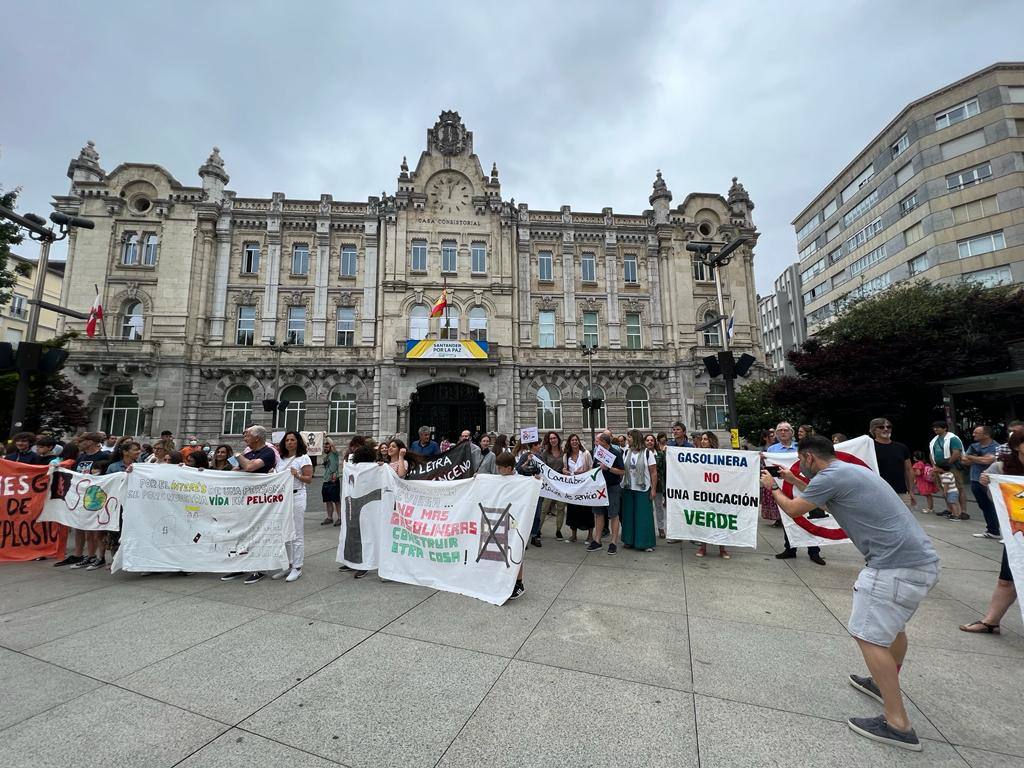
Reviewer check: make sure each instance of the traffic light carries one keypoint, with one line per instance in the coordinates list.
(270, 405)
(744, 364)
(711, 363)
(53, 360)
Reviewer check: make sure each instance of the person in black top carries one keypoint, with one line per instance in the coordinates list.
(894, 463)
(613, 480)
(86, 542)
(22, 448)
(260, 458)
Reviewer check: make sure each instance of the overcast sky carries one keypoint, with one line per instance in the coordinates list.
(578, 103)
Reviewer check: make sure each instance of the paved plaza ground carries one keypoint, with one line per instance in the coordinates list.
(659, 659)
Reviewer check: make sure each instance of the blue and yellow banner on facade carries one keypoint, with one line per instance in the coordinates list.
(454, 349)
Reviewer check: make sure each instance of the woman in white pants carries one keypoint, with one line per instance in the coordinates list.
(294, 460)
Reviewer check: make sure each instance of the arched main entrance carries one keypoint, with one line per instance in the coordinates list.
(448, 408)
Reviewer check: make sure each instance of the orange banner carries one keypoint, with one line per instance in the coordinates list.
(23, 490)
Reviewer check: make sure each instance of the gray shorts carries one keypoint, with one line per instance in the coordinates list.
(885, 599)
(614, 503)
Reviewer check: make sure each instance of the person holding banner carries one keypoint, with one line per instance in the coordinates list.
(295, 459)
(554, 457)
(506, 467)
(578, 462)
(614, 469)
(638, 530)
(396, 457)
(901, 567)
(260, 458)
(1005, 594)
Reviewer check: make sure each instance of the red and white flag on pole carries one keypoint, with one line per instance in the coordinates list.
(95, 315)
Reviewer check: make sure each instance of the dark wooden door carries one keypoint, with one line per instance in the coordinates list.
(448, 408)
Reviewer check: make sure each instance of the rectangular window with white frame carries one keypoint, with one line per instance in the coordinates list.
(956, 114)
(991, 277)
(716, 408)
(418, 256)
(588, 267)
(591, 333)
(634, 339)
(251, 259)
(18, 306)
(899, 146)
(546, 329)
(908, 203)
(545, 268)
(702, 271)
(300, 259)
(246, 331)
(346, 327)
(296, 329)
(449, 257)
(130, 249)
(149, 246)
(976, 246)
(629, 270)
(349, 261)
(918, 264)
(968, 177)
(478, 257)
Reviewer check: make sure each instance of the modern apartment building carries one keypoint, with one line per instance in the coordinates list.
(14, 318)
(937, 195)
(783, 325)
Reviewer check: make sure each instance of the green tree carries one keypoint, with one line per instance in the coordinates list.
(10, 235)
(758, 409)
(880, 355)
(54, 404)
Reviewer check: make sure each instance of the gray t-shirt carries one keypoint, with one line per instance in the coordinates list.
(873, 515)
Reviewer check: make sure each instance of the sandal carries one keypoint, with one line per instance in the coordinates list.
(980, 628)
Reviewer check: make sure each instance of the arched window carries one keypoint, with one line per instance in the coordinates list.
(237, 410)
(130, 251)
(132, 321)
(341, 417)
(478, 324)
(549, 408)
(294, 416)
(449, 323)
(638, 408)
(419, 322)
(712, 335)
(600, 415)
(121, 413)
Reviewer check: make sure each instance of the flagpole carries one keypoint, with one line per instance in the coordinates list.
(103, 320)
(444, 294)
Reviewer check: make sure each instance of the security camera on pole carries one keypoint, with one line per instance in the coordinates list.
(723, 363)
(30, 356)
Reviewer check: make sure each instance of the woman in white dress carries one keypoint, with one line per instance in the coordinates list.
(295, 460)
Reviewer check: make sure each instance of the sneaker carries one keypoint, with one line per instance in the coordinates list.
(986, 535)
(517, 591)
(786, 554)
(95, 565)
(558, 534)
(282, 573)
(231, 576)
(595, 546)
(69, 560)
(956, 519)
(877, 729)
(964, 516)
(866, 685)
(252, 578)
(294, 574)
(85, 562)
(612, 549)
(344, 568)
(944, 513)
(535, 542)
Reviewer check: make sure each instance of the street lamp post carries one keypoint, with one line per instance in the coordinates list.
(590, 403)
(46, 236)
(278, 350)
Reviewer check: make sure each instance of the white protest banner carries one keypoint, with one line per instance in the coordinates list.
(529, 435)
(277, 436)
(314, 442)
(85, 502)
(462, 536)
(817, 531)
(367, 497)
(1008, 497)
(585, 490)
(603, 456)
(184, 519)
(712, 496)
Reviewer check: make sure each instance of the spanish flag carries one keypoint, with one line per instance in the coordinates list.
(438, 308)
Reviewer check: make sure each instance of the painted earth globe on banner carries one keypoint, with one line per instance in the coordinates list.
(94, 499)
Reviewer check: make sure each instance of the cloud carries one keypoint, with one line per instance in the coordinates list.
(577, 102)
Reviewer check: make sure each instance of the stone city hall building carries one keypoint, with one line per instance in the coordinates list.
(197, 281)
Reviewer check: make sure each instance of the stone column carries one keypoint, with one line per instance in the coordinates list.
(654, 278)
(525, 330)
(221, 273)
(272, 281)
(323, 270)
(368, 312)
(569, 287)
(612, 278)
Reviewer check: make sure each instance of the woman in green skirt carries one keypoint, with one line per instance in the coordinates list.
(638, 529)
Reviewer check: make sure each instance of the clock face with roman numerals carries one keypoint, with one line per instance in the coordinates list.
(449, 193)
